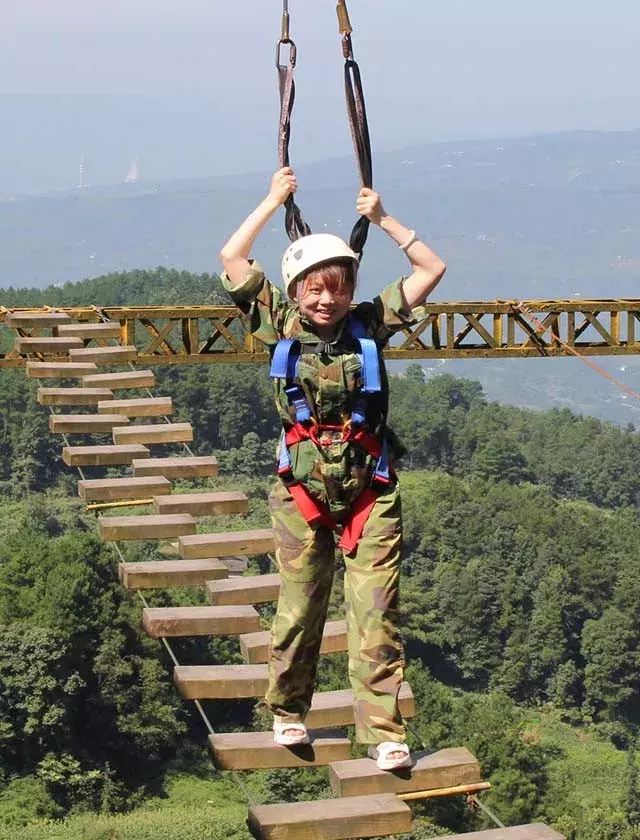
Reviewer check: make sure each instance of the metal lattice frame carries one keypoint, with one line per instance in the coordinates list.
(495, 329)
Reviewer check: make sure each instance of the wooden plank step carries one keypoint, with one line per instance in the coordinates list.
(335, 708)
(196, 466)
(331, 819)
(258, 589)
(59, 370)
(100, 330)
(166, 574)
(204, 504)
(116, 528)
(53, 345)
(115, 489)
(144, 407)
(125, 379)
(105, 355)
(75, 396)
(255, 646)
(156, 433)
(84, 424)
(102, 456)
(442, 769)
(230, 542)
(221, 682)
(199, 621)
(257, 750)
(532, 831)
(29, 320)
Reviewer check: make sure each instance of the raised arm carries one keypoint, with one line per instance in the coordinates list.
(427, 268)
(235, 253)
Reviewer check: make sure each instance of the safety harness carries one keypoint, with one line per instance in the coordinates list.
(284, 366)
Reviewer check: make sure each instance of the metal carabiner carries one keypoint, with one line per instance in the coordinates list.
(293, 53)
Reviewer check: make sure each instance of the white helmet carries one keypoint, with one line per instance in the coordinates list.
(309, 251)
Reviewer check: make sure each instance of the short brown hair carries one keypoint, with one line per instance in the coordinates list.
(336, 276)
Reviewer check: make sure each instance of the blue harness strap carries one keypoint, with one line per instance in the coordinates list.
(284, 365)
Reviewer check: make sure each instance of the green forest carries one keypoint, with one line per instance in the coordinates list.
(520, 601)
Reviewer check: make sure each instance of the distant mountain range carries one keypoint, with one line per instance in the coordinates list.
(536, 217)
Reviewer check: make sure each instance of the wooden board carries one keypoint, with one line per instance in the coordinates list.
(102, 456)
(50, 345)
(112, 489)
(84, 424)
(29, 320)
(105, 355)
(60, 370)
(204, 504)
(156, 433)
(116, 528)
(331, 819)
(171, 622)
(187, 467)
(91, 331)
(144, 407)
(127, 379)
(166, 574)
(75, 396)
(442, 769)
(335, 708)
(258, 589)
(220, 682)
(532, 831)
(254, 647)
(230, 542)
(257, 750)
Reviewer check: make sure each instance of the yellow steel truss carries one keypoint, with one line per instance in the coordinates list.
(493, 329)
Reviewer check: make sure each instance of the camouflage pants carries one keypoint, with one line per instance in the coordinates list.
(306, 559)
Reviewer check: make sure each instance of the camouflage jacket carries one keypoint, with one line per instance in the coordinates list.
(338, 473)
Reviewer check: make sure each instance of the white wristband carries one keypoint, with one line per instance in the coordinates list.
(412, 238)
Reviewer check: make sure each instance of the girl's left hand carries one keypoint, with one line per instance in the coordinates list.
(369, 204)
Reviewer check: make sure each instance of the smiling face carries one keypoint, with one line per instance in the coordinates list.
(325, 295)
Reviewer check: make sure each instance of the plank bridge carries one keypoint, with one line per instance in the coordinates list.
(71, 346)
(163, 335)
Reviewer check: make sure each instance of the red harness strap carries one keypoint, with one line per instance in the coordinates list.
(313, 511)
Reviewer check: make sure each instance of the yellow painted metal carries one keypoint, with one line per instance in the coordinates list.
(129, 503)
(170, 335)
(450, 791)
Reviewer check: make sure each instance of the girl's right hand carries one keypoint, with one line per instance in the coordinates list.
(283, 184)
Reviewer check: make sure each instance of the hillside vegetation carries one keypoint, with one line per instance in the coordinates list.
(520, 615)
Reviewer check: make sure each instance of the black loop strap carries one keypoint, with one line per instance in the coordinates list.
(295, 223)
(357, 113)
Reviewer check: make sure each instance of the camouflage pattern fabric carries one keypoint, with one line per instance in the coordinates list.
(335, 474)
(305, 558)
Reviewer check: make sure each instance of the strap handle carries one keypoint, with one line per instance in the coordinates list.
(358, 123)
(295, 223)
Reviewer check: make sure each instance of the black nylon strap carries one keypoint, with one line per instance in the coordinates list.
(358, 123)
(295, 223)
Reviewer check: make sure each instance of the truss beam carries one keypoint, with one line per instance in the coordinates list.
(166, 335)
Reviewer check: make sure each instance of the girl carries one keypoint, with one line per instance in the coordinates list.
(332, 395)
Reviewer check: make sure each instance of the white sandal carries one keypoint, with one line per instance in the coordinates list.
(382, 751)
(283, 733)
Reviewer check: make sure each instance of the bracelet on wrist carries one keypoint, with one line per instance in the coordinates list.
(412, 238)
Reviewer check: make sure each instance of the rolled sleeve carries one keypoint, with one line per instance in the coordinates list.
(249, 289)
(262, 304)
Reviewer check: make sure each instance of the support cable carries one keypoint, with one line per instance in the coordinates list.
(521, 307)
(472, 798)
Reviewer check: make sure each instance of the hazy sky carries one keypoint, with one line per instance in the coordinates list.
(432, 71)
(437, 69)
